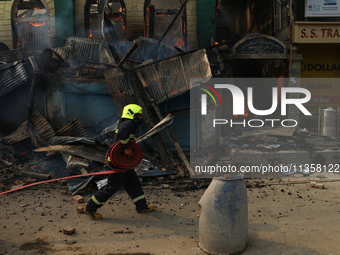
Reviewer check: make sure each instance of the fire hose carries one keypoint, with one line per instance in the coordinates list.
(120, 160)
(117, 157)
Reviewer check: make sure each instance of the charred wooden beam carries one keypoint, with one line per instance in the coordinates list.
(160, 116)
(30, 124)
(144, 103)
(111, 28)
(133, 48)
(168, 29)
(27, 173)
(95, 153)
(151, 21)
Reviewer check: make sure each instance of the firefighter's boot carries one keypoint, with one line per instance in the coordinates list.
(93, 215)
(149, 208)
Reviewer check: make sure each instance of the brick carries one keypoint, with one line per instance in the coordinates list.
(78, 199)
(17, 182)
(69, 231)
(30, 181)
(316, 185)
(80, 208)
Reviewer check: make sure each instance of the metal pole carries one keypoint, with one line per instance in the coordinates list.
(337, 128)
(319, 122)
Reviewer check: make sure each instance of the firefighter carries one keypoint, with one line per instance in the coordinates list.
(130, 120)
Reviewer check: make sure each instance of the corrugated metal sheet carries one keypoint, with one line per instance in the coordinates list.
(55, 140)
(50, 61)
(170, 78)
(73, 129)
(118, 85)
(89, 109)
(165, 79)
(64, 52)
(10, 56)
(11, 76)
(84, 49)
(146, 45)
(33, 36)
(41, 129)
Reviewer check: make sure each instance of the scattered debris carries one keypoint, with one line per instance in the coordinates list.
(78, 199)
(317, 185)
(69, 231)
(80, 208)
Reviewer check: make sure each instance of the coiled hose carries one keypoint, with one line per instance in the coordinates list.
(121, 162)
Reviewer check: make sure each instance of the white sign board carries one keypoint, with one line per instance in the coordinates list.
(322, 8)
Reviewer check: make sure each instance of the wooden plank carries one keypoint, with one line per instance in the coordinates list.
(95, 153)
(27, 173)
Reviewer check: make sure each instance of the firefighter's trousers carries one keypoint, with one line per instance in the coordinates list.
(129, 180)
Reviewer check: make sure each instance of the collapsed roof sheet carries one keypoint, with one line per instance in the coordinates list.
(165, 79)
(41, 129)
(12, 75)
(73, 128)
(10, 56)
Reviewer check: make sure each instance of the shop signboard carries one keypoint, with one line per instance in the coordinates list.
(322, 8)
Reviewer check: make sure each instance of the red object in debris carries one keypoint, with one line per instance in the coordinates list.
(78, 199)
(34, 167)
(17, 182)
(272, 139)
(13, 160)
(80, 208)
(69, 231)
(30, 181)
(63, 182)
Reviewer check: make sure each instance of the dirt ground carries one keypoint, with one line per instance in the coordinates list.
(289, 219)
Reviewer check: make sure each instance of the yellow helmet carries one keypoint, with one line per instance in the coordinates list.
(130, 110)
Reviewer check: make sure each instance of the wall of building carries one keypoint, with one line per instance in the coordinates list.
(6, 36)
(134, 18)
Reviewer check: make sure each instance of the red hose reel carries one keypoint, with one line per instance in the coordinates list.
(120, 160)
